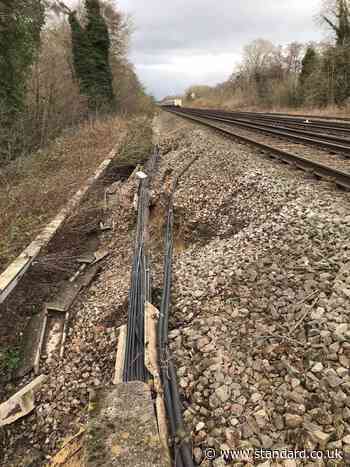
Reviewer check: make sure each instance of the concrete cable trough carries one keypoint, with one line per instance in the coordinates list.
(132, 355)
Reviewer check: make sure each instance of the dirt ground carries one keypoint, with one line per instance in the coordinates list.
(90, 347)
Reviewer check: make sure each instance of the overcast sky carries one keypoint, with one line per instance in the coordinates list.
(178, 43)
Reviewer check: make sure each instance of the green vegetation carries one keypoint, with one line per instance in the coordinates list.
(55, 75)
(9, 360)
(309, 64)
(21, 22)
(138, 142)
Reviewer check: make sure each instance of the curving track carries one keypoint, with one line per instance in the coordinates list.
(271, 134)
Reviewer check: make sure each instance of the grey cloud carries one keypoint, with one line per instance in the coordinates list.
(168, 32)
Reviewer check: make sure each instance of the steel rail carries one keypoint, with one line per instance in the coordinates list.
(319, 119)
(325, 125)
(340, 178)
(323, 141)
(314, 117)
(339, 125)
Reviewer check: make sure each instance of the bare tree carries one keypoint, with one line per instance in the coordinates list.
(258, 56)
(293, 57)
(336, 14)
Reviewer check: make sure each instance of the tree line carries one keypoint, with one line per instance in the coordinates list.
(60, 66)
(295, 75)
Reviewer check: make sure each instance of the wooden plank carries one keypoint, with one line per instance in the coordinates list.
(72, 453)
(152, 364)
(119, 362)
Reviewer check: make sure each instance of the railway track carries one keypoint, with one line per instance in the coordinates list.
(333, 143)
(325, 162)
(307, 125)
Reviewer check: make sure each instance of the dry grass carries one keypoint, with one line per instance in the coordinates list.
(35, 188)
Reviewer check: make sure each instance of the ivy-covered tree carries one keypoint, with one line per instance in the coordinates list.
(82, 62)
(91, 46)
(21, 22)
(98, 37)
(309, 64)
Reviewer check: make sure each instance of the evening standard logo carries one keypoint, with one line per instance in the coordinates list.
(282, 454)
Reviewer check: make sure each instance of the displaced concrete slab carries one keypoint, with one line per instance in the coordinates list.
(89, 276)
(32, 342)
(122, 429)
(66, 297)
(21, 403)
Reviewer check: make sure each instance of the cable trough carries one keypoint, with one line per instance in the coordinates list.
(140, 294)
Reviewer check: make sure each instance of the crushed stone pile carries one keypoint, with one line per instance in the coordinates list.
(260, 304)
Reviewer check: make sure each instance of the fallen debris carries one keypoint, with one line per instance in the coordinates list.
(71, 453)
(57, 314)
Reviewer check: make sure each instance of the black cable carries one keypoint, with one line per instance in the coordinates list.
(181, 445)
(139, 293)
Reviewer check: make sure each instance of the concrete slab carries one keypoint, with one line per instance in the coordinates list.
(122, 428)
(21, 403)
(31, 344)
